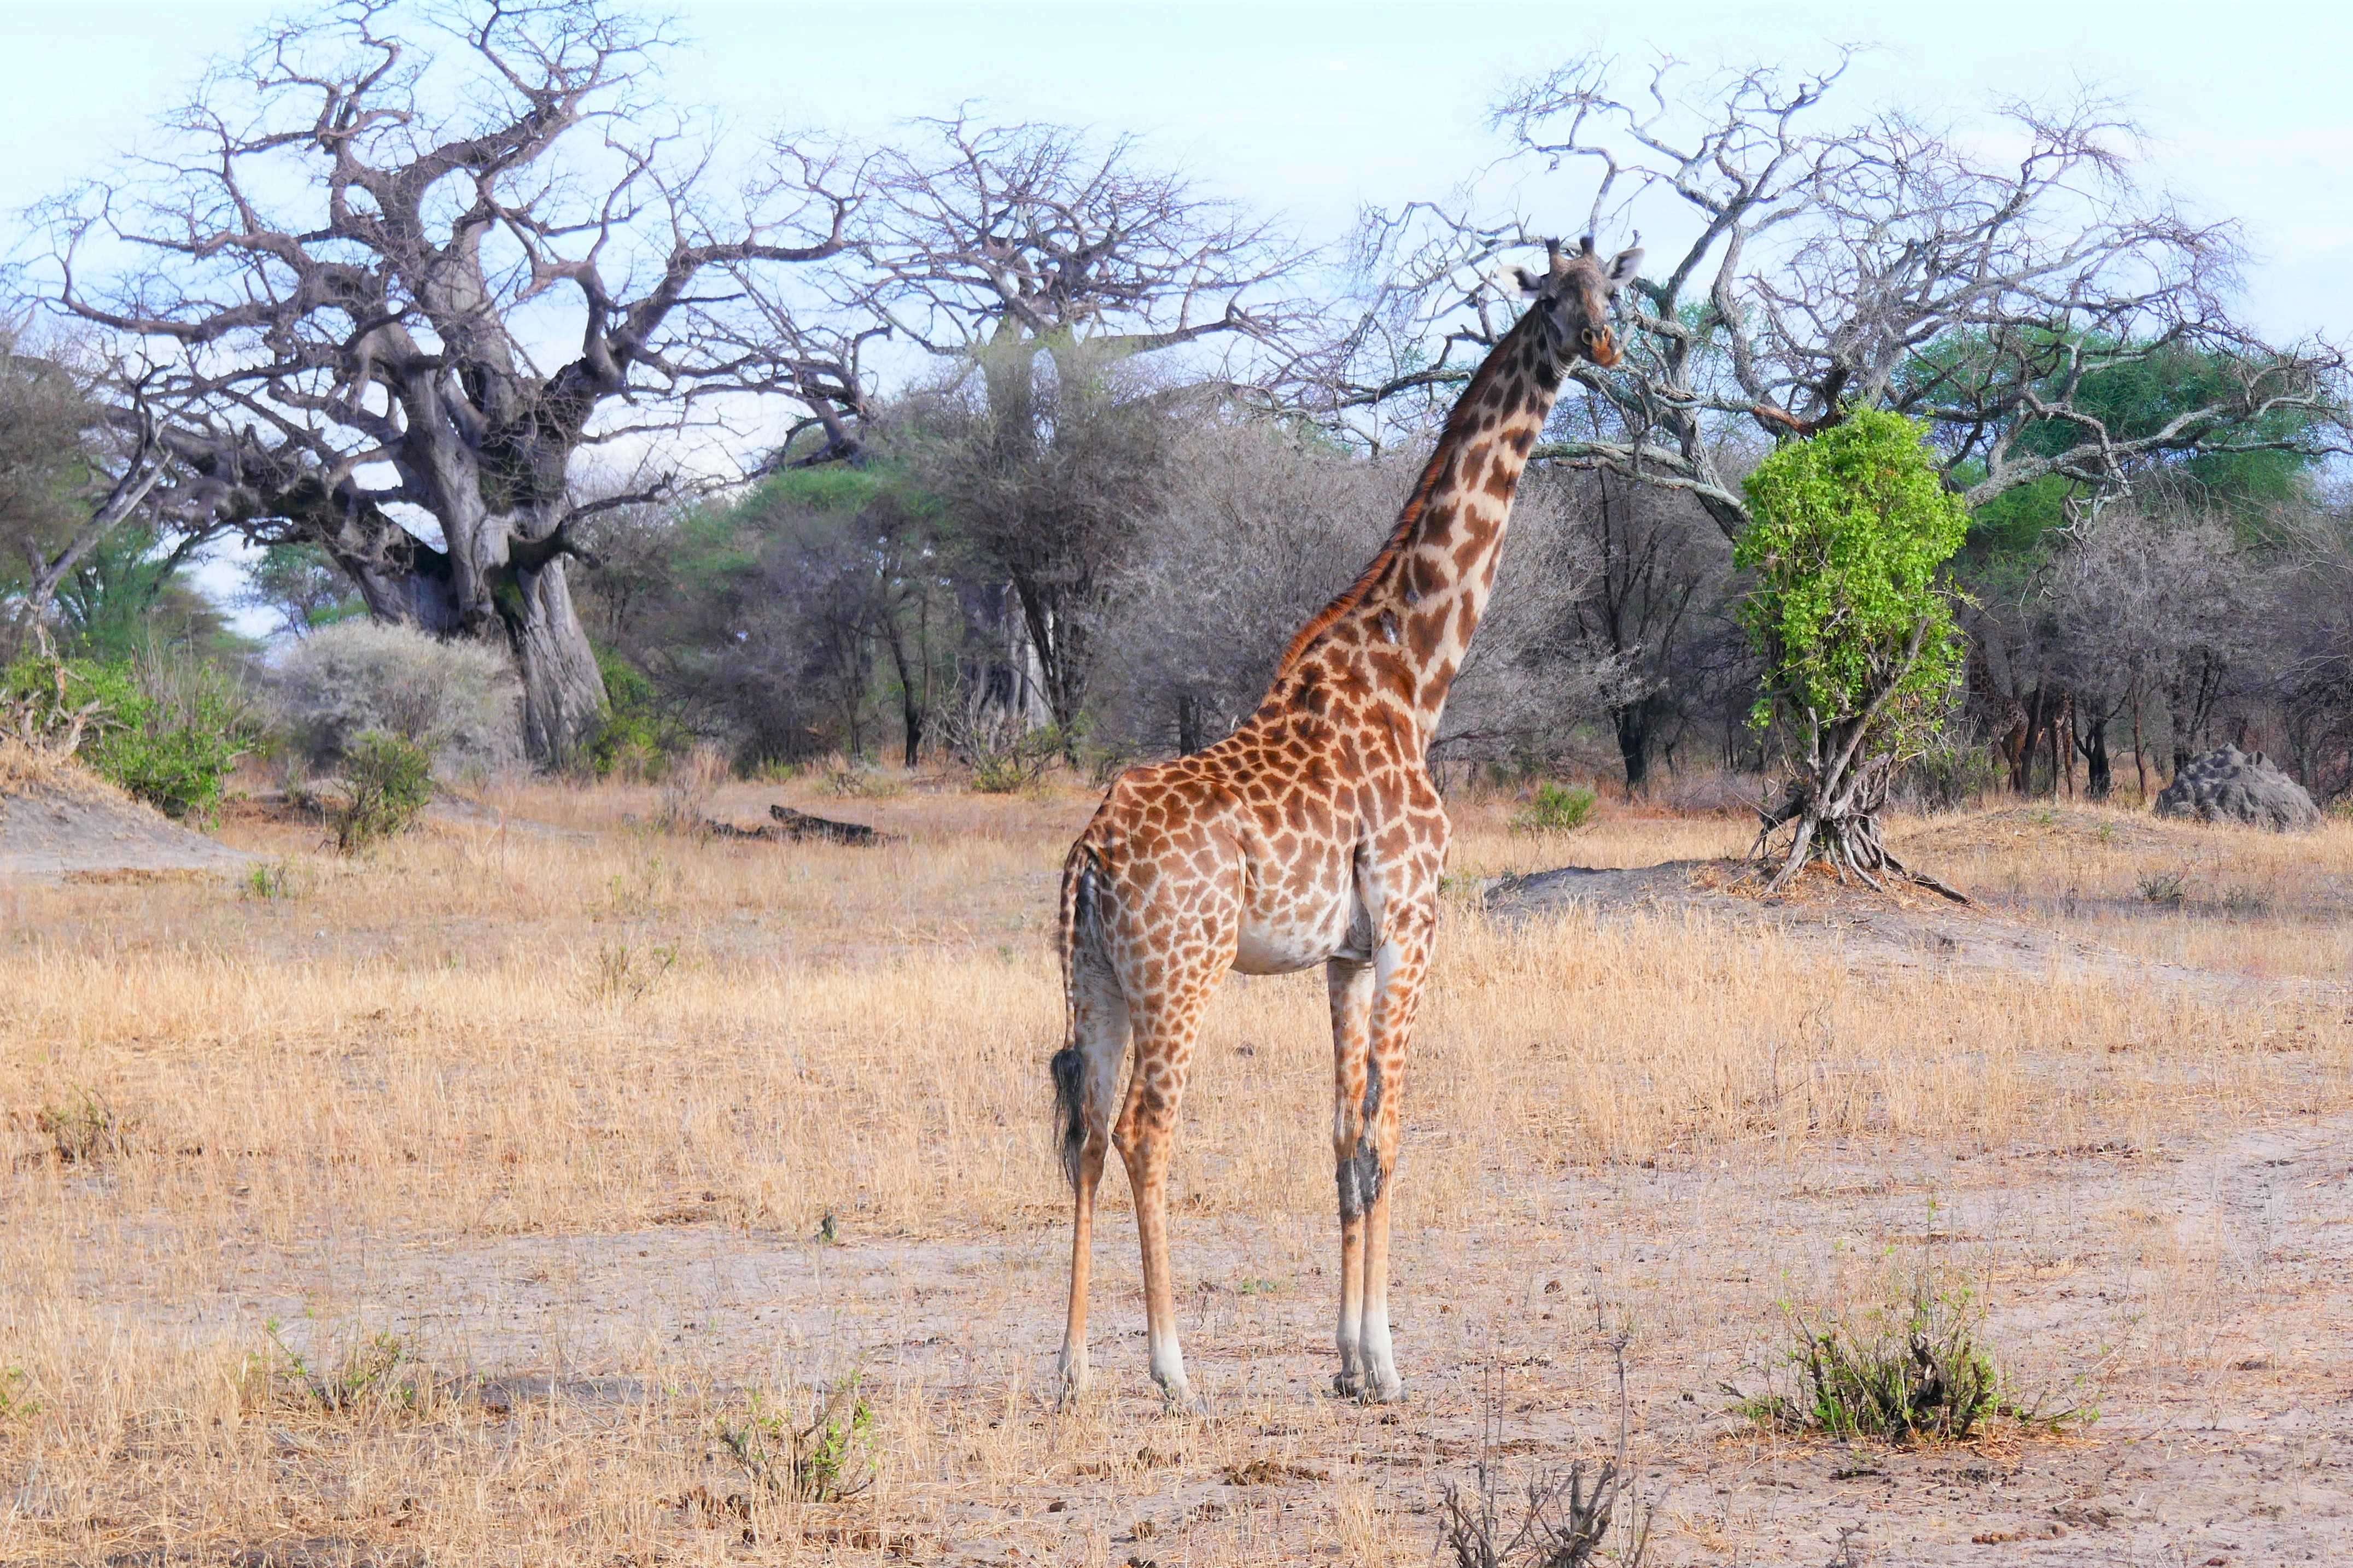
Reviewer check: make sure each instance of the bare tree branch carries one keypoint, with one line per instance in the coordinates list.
(1820, 268)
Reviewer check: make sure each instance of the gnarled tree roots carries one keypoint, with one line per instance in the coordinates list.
(1848, 840)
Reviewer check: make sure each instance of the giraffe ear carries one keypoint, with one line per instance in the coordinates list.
(1529, 283)
(1623, 266)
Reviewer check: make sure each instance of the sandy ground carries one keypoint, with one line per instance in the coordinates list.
(49, 834)
(2227, 1444)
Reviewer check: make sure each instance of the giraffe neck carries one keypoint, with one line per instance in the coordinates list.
(1409, 617)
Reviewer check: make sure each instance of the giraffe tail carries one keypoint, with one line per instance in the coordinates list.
(1074, 921)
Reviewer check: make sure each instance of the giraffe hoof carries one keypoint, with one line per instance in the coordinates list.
(1348, 1386)
(1392, 1393)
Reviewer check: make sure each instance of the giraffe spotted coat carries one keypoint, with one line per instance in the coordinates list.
(1311, 834)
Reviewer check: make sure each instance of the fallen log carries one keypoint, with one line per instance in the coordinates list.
(791, 827)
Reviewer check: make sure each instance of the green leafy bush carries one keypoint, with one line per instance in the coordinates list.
(387, 783)
(1556, 808)
(1912, 1368)
(165, 726)
(826, 1459)
(1851, 529)
(642, 737)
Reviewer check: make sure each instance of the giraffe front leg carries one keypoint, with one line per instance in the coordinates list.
(1350, 987)
(1400, 965)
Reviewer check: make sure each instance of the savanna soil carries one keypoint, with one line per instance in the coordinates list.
(504, 1197)
(60, 822)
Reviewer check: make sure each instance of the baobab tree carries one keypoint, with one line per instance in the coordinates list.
(393, 271)
(1045, 269)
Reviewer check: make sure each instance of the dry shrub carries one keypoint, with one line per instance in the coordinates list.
(684, 801)
(460, 701)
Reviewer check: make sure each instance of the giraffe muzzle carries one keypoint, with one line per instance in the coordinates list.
(1600, 347)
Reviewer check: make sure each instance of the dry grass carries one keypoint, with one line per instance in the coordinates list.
(538, 1039)
(25, 768)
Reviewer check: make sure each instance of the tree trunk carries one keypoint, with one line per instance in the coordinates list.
(564, 704)
(1633, 725)
(2097, 774)
(910, 702)
(2140, 751)
(1191, 730)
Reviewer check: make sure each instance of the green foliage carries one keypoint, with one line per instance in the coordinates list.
(275, 879)
(1852, 528)
(379, 1372)
(16, 1398)
(1910, 1368)
(304, 585)
(125, 595)
(165, 727)
(85, 1132)
(642, 736)
(387, 783)
(826, 1459)
(1556, 808)
(1006, 756)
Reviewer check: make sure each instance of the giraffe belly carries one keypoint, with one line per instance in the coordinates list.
(1297, 936)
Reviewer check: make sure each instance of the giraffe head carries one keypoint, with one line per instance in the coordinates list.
(1571, 297)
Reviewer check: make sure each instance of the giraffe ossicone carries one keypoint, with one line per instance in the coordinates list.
(1311, 834)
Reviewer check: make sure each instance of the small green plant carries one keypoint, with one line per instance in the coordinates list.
(274, 879)
(387, 783)
(622, 975)
(1005, 754)
(1556, 808)
(15, 1401)
(2165, 888)
(827, 1459)
(379, 1372)
(84, 1133)
(1911, 1369)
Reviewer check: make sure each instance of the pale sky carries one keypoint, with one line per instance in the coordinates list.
(1308, 110)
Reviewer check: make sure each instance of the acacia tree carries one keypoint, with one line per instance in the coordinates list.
(69, 479)
(1822, 270)
(1862, 657)
(401, 263)
(1041, 264)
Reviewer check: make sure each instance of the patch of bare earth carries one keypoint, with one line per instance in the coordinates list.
(69, 824)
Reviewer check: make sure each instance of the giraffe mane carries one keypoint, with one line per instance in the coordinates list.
(1449, 441)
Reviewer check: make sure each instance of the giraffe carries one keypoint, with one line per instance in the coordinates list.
(1311, 834)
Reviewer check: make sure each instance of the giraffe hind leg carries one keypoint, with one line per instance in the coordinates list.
(1086, 1084)
(1166, 1026)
